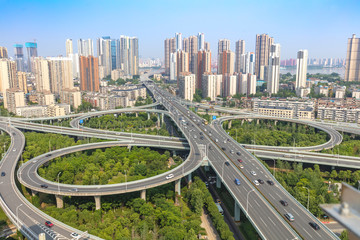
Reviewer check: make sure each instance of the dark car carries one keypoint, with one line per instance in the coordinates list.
(223, 148)
(44, 186)
(284, 203)
(47, 155)
(238, 153)
(200, 133)
(210, 147)
(240, 160)
(202, 138)
(3, 174)
(261, 181)
(270, 182)
(49, 224)
(314, 225)
(227, 163)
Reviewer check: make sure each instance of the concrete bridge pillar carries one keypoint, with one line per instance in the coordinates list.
(33, 193)
(242, 122)
(59, 201)
(136, 114)
(218, 181)
(174, 153)
(158, 120)
(50, 122)
(97, 202)
(162, 118)
(276, 121)
(178, 186)
(148, 116)
(207, 111)
(189, 178)
(129, 147)
(237, 212)
(230, 122)
(207, 168)
(257, 121)
(143, 194)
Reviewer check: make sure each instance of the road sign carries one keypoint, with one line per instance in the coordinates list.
(213, 117)
(81, 121)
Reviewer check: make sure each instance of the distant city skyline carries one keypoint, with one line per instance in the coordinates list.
(322, 27)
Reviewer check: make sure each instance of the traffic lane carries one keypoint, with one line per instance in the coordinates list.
(302, 225)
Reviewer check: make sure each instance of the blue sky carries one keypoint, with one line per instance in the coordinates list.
(321, 26)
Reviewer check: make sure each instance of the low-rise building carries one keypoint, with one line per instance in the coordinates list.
(72, 97)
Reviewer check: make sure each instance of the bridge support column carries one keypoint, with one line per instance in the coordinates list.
(218, 181)
(189, 178)
(158, 120)
(50, 122)
(148, 116)
(143, 194)
(207, 111)
(257, 121)
(162, 118)
(237, 212)
(276, 121)
(174, 153)
(129, 147)
(33, 193)
(137, 114)
(97, 202)
(59, 201)
(178, 186)
(242, 122)
(230, 122)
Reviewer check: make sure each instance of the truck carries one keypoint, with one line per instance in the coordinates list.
(221, 211)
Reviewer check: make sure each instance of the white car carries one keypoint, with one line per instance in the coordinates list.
(256, 182)
(14, 149)
(75, 236)
(253, 173)
(170, 176)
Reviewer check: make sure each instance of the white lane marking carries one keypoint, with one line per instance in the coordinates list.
(271, 221)
(294, 211)
(307, 232)
(278, 195)
(263, 221)
(271, 196)
(256, 202)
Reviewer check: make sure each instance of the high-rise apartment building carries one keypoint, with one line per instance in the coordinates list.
(89, 74)
(207, 46)
(61, 74)
(201, 41)
(247, 84)
(211, 85)
(42, 74)
(19, 57)
(85, 47)
(7, 75)
(169, 47)
(273, 69)
(301, 68)
(182, 63)
(248, 63)
(13, 98)
(226, 62)
(21, 81)
(105, 55)
(173, 66)
(223, 45)
(129, 55)
(239, 50)
(203, 65)
(263, 44)
(31, 48)
(352, 72)
(178, 39)
(69, 47)
(187, 85)
(190, 45)
(3, 52)
(230, 85)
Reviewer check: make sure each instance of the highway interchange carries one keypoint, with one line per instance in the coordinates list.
(263, 208)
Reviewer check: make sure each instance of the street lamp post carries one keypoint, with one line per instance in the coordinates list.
(17, 213)
(308, 197)
(247, 202)
(58, 182)
(274, 166)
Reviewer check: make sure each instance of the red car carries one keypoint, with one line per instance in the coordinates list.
(49, 224)
(240, 160)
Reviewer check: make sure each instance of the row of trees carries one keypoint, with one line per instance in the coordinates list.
(128, 123)
(281, 134)
(109, 166)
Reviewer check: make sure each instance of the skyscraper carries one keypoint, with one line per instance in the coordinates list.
(19, 57)
(223, 45)
(273, 69)
(61, 74)
(169, 47)
(352, 72)
(42, 74)
(201, 41)
(229, 84)
(203, 65)
(69, 47)
(211, 85)
(182, 63)
(104, 54)
(226, 62)
(301, 68)
(31, 48)
(248, 63)
(187, 85)
(263, 44)
(89, 74)
(7, 75)
(178, 38)
(190, 45)
(129, 55)
(3, 52)
(85, 47)
(239, 50)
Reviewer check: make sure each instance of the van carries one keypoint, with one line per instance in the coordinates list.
(289, 216)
